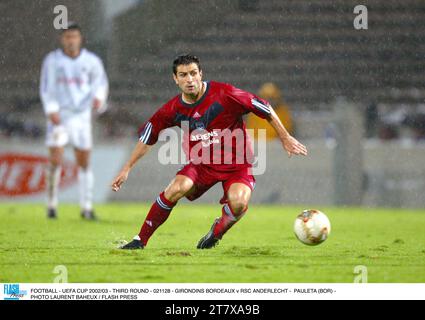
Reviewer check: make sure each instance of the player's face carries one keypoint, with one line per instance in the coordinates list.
(189, 79)
(71, 40)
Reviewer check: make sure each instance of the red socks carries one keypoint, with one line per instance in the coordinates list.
(227, 220)
(161, 209)
(158, 214)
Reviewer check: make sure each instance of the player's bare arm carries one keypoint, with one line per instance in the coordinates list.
(139, 151)
(291, 145)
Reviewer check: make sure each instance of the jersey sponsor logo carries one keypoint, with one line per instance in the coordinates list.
(70, 81)
(24, 174)
(203, 136)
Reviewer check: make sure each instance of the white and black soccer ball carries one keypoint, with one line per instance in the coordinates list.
(312, 227)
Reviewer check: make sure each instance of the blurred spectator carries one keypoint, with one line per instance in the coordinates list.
(416, 122)
(12, 126)
(403, 121)
(391, 119)
(270, 92)
(388, 132)
(372, 120)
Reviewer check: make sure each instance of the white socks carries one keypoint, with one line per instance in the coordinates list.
(53, 180)
(86, 182)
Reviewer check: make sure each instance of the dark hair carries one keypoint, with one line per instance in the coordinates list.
(71, 26)
(185, 59)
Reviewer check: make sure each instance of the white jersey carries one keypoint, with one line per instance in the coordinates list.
(69, 85)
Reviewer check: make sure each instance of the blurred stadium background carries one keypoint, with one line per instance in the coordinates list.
(356, 97)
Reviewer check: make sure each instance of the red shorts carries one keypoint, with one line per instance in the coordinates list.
(205, 177)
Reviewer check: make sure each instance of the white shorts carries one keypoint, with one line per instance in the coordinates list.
(74, 131)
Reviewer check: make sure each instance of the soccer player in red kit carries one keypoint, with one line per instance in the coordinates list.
(212, 111)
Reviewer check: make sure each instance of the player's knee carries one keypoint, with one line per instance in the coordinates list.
(83, 163)
(238, 208)
(55, 161)
(238, 203)
(83, 166)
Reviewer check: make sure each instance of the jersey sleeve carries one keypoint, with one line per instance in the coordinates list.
(249, 102)
(48, 85)
(161, 120)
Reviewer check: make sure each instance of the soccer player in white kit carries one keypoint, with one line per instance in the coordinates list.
(73, 83)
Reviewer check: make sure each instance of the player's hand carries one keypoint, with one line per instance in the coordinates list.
(97, 104)
(55, 118)
(293, 146)
(119, 180)
(59, 134)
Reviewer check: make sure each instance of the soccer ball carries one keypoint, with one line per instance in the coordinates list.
(312, 227)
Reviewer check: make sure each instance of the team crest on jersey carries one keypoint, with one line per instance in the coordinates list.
(199, 125)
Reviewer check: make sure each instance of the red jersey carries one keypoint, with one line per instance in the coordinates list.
(214, 130)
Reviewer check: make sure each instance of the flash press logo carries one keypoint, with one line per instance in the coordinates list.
(13, 292)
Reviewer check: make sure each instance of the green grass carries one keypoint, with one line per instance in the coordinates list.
(260, 248)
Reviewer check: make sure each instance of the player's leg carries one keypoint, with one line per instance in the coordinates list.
(238, 196)
(179, 187)
(80, 133)
(53, 180)
(56, 139)
(86, 183)
(161, 209)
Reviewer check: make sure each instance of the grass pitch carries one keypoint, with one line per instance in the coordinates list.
(260, 248)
